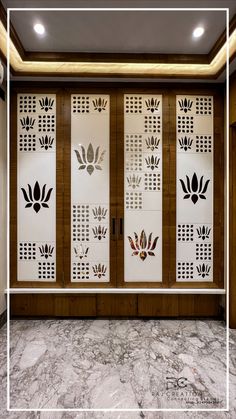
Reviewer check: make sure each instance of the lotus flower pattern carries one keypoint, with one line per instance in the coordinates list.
(99, 232)
(152, 143)
(90, 160)
(27, 123)
(152, 104)
(46, 104)
(99, 270)
(81, 252)
(99, 104)
(185, 143)
(46, 251)
(194, 189)
(185, 105)
(37, 198)
(99, 213)
(133, 181)
(203, 232)
(203, 270)
(141, 246)
(46, 142)
(152, 162)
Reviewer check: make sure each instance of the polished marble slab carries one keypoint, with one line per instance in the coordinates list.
(117, 364)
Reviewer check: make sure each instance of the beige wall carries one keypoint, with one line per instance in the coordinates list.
(3, 204)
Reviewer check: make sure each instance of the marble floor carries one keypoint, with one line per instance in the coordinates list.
(118, 364)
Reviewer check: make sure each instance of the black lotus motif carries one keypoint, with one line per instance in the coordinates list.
(99, 270)
(46, 142)
(185, 143)
(134, 181)
(152, 143)
(203, 270)
(81, 251)
(152, 162)
(37, 198)
(27, 123)
(194, 189)
(46, 251)
(99, 104)
(90, 160)
(185, 105)
(99, 232)
(152, 104)
(203, 232)
(99, 213)
(46, 104)
(141, 246)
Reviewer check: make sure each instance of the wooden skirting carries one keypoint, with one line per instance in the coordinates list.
(119, 305)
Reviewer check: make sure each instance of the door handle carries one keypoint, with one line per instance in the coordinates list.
(121, 227)
(113, 228)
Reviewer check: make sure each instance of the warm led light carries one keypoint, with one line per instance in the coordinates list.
(39, 29)
(199, 31)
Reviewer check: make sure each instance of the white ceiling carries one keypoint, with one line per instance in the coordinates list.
(114, 31)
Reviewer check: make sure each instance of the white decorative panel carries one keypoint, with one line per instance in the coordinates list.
(36, 187)
(195, 151)
(143, 188)
(90, 183)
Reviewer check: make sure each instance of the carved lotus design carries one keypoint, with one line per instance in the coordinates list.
(203, 232)
(152, 143)
(185, 105)
(27, 123)
(99, 213)
(203, 270)
(46, 142)
(133, 181)
(194, 189)
(81, 251)
(185, 143)
(152, 162)
(46, 104)
(37, 197)
(142, 246)
(46, 251)
(91, 159)
(99, 270)
(99, 104)
(99, 232)
(152, 104)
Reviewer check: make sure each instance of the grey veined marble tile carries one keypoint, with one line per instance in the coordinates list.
(118, 364)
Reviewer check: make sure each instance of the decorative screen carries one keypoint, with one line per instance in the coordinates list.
(36, 187)
(195, 148)
(90, 135)
(143, 187)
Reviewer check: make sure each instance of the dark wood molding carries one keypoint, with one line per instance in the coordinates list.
(114, 57)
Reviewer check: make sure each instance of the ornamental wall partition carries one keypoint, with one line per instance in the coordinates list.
(112, 188)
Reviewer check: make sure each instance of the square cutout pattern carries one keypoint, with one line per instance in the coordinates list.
(203, 144)
(134, 200)
(203, 251)
(134, 162)
(185, 124)
(27, 251)
(185, 271)
(185, 232)
(152, 182)
(133, 143)
(27, 142)
(133, 104)
(27, 104)
(80, 271)
(152, 123)
(46, 270)
(80, 223)
(204, 106)
(80, 104)
(46, 123)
